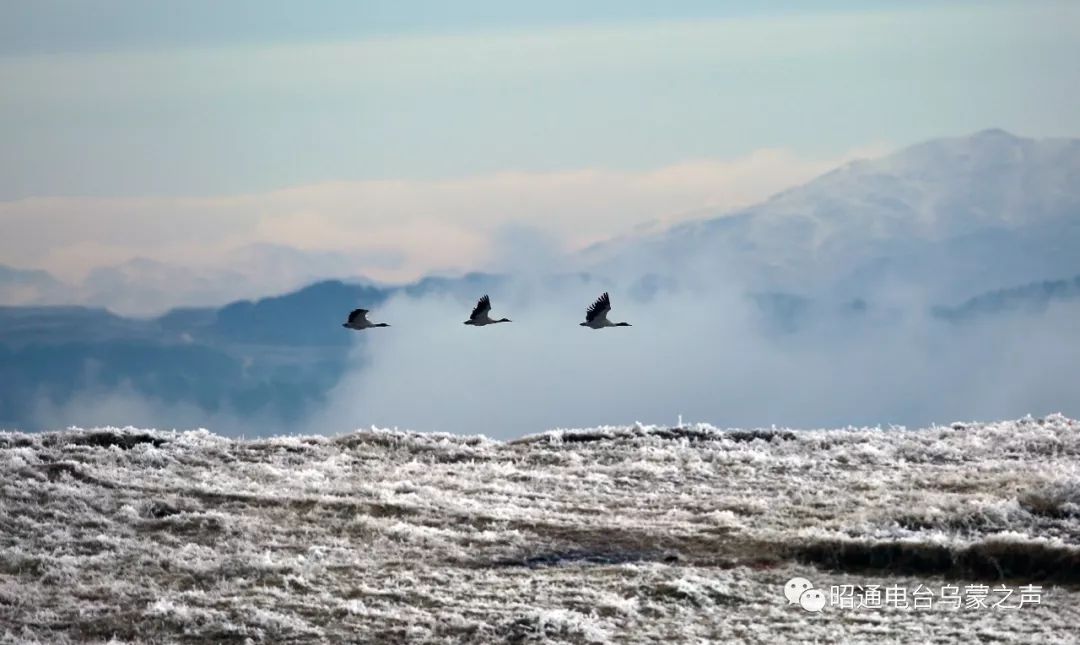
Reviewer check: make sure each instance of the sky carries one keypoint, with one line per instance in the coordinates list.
(425, 130)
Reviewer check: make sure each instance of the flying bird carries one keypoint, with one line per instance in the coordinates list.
(358, 320)
(596, 315)
(479, 316)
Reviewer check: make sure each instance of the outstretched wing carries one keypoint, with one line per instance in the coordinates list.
(483, 306)
(358, 314)
(599, 308)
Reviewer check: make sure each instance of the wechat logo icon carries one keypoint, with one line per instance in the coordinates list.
(800, 591)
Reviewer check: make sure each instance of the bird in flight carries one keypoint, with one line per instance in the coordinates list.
(479, 316)
(596, 315)
(358, 320)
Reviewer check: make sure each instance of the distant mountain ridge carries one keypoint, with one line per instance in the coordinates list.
(146, 286)
(30, 286)
(1034, 297)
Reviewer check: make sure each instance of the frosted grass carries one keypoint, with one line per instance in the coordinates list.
(609, 534)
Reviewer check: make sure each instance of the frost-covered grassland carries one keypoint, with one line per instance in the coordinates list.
(607, 535)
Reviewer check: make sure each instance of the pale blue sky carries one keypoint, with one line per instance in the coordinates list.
(115, 98)
(78, 25)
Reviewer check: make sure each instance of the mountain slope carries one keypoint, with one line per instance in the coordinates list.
(1034, 297)
(957, 216)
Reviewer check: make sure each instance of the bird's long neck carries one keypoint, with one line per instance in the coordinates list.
(501, 320)
(622, 324)
(380, 325)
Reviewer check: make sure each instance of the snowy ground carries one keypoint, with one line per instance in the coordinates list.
(605, 535)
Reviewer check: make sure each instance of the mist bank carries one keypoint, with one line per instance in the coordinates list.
(714, 353)
(715, 356)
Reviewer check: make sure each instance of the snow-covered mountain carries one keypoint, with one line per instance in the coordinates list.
(956, 216)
